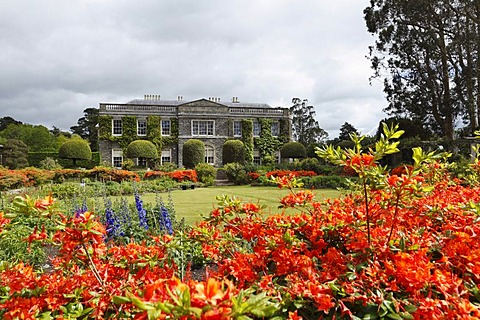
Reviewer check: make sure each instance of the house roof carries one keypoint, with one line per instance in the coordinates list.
(180, 102)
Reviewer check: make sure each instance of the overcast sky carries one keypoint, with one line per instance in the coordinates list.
(60, 57)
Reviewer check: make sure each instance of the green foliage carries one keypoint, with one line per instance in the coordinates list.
(284, 130)
(326, 182)
(75, 150)
(422, 54)
(35, 159)
(233, 151)
(153, 131)
(105, 127)
(266, 143)
(87, 127)
(37, 138)
(206, 173)
(238, 173)
(247, 138)
(293, 150)
(49, 164)
(15, 154)
(193, 153)
(142, 149)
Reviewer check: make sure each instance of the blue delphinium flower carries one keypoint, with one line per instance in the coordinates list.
(142, 213)
(112, 225)
(165, 221)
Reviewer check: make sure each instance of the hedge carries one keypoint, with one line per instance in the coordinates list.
(34, 159)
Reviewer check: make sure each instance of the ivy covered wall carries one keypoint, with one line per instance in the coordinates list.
(247, 138)
(267, 144)
(129, 131)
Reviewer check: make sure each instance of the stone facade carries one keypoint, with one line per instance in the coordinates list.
(208, 120)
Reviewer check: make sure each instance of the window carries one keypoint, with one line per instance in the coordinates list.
(141, 127)
(256, 129)
(277, 157)
(275, 129)
(141, 162)
(202, 127)
(209, 155)
(117, 158)
(237, 128)
(256, 156)
(117, 127)
(166, 156)
(166, 127)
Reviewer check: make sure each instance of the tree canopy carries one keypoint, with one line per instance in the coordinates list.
(37, 138)
(430, 50)
(87, 127)
(306, 129)
(75, 149)
(346, 130)
(15, 154)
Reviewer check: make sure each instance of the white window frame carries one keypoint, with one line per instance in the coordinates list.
(237, 131)
(141, 162)
(117, 153)
(141, 129)
(164, 131)
(197, 129)
(256, 157)
(209, 154)
(114, 127)
(275, 132)
(257, 129)
(166, 153)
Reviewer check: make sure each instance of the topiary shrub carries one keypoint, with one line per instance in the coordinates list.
(142, 149)
(193, 153)
(206, 173)
(233, 151)
(75, 150)
(293, 150)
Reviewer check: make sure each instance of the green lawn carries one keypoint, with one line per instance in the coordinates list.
(193, 203)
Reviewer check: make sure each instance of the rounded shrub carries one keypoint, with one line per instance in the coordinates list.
(233, 151)
(206, 173)
(142, 149)
(75, 150)
(193, 153)
(293, 150)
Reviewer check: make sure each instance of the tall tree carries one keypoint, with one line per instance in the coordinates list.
(346, 130)
(306, 129)
(87, 127)
(15, 154)
(430, 50)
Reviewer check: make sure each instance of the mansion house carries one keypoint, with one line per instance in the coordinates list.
(170, 123)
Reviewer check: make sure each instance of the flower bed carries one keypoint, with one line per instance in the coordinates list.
(405, 246)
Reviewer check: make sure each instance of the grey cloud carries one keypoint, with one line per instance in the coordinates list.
(59, 58)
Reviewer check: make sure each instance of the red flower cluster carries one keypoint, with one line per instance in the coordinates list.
(254, 175)
(177, 175)
(317, 263)
(292, 173)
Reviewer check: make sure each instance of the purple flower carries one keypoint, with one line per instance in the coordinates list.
(142, 213)
(165, 221)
